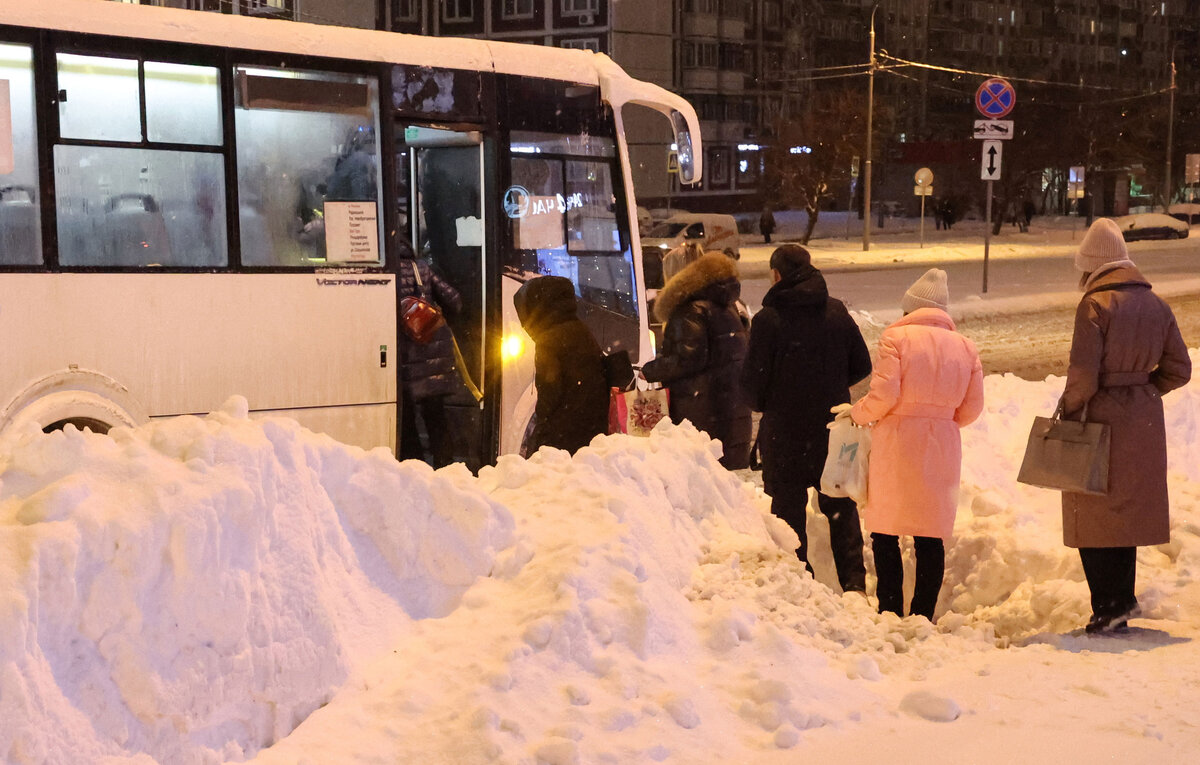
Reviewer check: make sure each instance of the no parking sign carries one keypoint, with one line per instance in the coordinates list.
(995, 98)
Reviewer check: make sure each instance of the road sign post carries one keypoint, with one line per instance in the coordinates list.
(924, 180)
(994, 99)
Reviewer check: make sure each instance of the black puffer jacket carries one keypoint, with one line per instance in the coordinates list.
(428, 370)
(805, 353)
(572, 395)
(704, 347)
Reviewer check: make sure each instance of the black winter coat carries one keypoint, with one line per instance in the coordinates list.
(805, 353)
(572, 394)
(428, 370)
(704, 347)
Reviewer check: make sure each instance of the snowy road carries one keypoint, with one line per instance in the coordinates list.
(1031, 341)
(1034, 345)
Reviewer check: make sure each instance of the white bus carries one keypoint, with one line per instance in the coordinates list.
(195, 205)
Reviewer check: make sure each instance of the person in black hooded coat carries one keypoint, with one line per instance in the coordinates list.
(805, 353)
(568, 367)
(704, 347)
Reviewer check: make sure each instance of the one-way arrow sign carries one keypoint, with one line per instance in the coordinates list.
(989, 169)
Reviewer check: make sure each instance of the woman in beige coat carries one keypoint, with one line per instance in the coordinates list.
(1126, 353)
(927, 383)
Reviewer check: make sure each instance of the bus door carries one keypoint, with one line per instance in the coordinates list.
(442, 211)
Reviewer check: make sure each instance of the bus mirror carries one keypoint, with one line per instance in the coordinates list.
(683, 143)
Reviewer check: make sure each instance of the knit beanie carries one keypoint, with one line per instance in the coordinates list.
(1102, 244)
(930, 291)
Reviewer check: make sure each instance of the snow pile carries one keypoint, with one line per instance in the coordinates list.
(195, 588)
(220, 589)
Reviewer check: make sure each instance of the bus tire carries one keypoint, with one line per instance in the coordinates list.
(77, 397)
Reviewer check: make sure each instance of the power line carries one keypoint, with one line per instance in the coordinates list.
(834, 76)
(953, 70)
(1060, 104)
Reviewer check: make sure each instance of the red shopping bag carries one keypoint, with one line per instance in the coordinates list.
(636, 412)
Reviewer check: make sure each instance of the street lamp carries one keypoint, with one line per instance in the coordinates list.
(870, 115)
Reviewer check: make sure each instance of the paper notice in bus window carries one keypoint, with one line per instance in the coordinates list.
(469, 232)
(7, 162)
(352, 232)
(541, 225)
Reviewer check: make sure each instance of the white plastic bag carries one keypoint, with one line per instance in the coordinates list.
(845, 473)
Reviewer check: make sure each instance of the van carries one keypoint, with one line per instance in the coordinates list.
(714, 232)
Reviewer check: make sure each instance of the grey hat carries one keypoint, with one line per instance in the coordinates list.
(930, 291)
(1103, 243)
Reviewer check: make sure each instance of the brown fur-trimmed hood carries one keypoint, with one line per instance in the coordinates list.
(715, 274)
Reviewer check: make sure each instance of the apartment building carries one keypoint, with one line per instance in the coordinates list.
(748, 64)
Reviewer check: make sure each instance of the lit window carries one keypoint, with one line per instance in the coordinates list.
(579, 7)
(582, 43)
(267, 8)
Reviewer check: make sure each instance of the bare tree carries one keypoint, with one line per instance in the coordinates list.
(813, 153)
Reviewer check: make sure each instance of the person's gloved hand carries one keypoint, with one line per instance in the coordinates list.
(841, 413)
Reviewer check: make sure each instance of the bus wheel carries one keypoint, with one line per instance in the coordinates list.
(78, 397)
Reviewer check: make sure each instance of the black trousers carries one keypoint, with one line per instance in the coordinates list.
(889, 568)
(845, 532)
(433, 416)
(1111, 576)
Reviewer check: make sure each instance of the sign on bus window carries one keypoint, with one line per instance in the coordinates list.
(352, 232)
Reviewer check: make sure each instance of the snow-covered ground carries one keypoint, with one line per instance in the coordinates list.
(224, 589)
(837, 241)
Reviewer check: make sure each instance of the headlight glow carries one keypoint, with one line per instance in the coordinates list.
(511, 347)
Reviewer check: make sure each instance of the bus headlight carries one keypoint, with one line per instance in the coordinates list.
(511, 347)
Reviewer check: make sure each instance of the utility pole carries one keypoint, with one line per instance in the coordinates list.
(870, 118)
(1170, 137)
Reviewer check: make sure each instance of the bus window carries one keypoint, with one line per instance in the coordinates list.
(183, 104)
(139, 207)
(563, 220)
(308, 167)
(146, 204)
(99, 98)
(101, 101)
(20, 220)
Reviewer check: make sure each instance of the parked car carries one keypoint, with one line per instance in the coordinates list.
(659, 214)
(644, 220)
(1188, 212)
(715, 232)
(1151, 226)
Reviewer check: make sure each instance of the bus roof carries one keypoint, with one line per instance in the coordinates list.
(104, 17)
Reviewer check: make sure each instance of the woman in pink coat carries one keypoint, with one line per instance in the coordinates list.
(927, 383)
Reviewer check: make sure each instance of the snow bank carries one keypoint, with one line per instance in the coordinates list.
(220, 589)
(194, 589)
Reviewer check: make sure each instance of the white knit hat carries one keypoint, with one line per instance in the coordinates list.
(1102, 244)
(930, 291)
